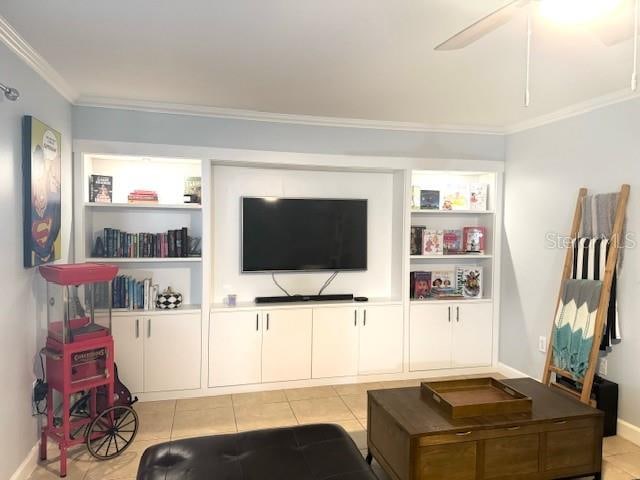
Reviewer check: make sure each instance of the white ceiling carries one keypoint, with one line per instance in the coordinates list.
(364, 59)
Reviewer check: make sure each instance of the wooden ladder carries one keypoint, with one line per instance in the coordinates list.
(603, 306)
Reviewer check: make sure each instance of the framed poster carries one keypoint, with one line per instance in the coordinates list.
(41, 189)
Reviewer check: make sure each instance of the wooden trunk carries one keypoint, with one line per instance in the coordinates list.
(413, 440)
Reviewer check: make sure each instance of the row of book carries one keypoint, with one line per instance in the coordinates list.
(465, 281)
(117, 243)
(468, 240)
(451, 197)
(127, 292)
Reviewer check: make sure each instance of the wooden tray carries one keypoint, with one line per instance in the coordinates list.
(475, 397)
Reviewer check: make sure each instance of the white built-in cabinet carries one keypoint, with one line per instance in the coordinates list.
(259, 346)
(158, 352)
(450, 335)
(357, 340)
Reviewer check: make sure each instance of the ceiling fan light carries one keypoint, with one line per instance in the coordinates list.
(572, 12)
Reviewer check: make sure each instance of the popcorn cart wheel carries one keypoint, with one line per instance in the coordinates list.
(96, 407)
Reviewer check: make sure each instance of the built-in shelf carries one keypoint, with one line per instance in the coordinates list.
(145, 206)
(119, 312)
(144, 260)
(440, 257)
(451, 299)
(452, 212)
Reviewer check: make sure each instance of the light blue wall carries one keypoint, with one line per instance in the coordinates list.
(90, 123)
(545, 167)
(21, 316)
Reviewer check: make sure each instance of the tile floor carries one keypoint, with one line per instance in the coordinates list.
(341, 404)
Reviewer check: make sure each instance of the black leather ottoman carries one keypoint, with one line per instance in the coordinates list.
(308, 452)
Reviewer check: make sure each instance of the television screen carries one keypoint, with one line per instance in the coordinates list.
(291, 234)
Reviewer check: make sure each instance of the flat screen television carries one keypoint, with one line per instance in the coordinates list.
(303, 234)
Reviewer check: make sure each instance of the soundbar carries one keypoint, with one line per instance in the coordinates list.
(305, 298)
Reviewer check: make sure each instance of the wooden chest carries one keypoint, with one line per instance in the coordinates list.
(414, 440)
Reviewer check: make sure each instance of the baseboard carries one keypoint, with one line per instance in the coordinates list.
(510, 372)
(629, 431)
(27, 466)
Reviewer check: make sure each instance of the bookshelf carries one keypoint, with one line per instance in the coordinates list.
(166, 177)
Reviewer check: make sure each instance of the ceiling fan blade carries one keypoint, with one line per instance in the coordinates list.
(483, 26)
(616, 27)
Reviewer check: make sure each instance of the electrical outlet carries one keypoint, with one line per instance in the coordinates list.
(602, 367)
(542, 344)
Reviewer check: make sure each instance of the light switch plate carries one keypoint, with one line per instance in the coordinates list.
(542, 344)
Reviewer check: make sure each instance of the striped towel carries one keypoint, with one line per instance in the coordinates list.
(589, 262)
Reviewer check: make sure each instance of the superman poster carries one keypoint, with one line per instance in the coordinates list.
(41, 187)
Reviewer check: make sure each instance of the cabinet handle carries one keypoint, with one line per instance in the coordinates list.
(257, 324)
(449, 310)
(561, 422)
(137, 328)
(355, 318)
(457, 314)
(463, 434)
(365, 318)
(513, 428)
(267, 321)
(148, 328)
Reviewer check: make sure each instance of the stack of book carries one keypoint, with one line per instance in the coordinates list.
(143, 196)
(127, 292)
(173, 243)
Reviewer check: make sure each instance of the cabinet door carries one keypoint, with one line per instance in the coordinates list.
(455, 461)
(472, 334)
(235, 348)
(380, 339)
(172, 347)
(129, 350)
(335, 342)
(430, 336)
(286, 345)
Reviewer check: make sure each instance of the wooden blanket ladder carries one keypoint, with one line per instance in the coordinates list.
(586, 383)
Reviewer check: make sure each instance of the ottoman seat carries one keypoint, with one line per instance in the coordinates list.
(308, 452)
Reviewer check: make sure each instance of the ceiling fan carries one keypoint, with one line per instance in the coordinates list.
(611, 28)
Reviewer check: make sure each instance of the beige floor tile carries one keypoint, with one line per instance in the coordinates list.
(400, 384)
(363, 421)
(259, 398)
(79, 461)
(165, 406)
(617, 445)
(196, 423)
(203, 403)
(357, 404)
(356, 388)
(627, 462)
(611, 472)
(267, 415)
(154, 425)
(321, 410)
(311, 392)
(122, 467)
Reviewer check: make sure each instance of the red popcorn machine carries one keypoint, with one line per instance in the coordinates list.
(80, 371)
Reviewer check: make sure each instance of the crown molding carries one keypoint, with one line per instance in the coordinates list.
(18, 45)
(573, 111)
(252, 115)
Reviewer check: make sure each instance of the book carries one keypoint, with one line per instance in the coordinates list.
(452, 240)
(432, 241)
(421, 285)
(455, 197)
(478, 196)
(415, 197)
(416, 240)
(469, 281)
(443, 279)
(192, 190)
(143, 196)
(474, 239)
(430, 199)
(100, 188)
